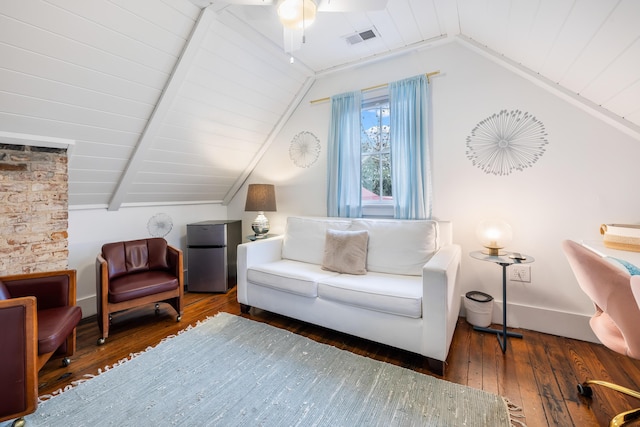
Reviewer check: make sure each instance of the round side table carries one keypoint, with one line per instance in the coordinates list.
(505, 261)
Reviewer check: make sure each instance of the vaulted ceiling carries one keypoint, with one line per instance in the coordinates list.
(169, 101)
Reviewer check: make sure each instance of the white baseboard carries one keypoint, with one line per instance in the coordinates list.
(88, 305)
(570, 325)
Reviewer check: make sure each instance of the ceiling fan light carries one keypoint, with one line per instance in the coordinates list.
(297, 14)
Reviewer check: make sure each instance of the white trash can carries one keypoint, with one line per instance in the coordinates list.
(479, 307)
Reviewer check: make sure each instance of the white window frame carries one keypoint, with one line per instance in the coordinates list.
(378, 208)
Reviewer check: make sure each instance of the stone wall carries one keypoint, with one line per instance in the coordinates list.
(33, 209)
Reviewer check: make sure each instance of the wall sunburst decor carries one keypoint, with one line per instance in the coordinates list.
(304, 149)
(506, 142)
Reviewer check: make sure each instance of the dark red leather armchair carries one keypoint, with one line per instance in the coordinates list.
(38, 319)
(137, 272)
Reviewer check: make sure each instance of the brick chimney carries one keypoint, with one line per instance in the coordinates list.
(33, 209)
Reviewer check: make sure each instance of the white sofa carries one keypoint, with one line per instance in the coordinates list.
(408, 298)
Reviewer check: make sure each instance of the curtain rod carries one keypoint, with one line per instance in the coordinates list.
(315, 101)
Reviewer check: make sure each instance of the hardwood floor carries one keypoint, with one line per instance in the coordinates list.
(538, 373)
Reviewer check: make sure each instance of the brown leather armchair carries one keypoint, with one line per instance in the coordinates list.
(38, 318)
(134, 273)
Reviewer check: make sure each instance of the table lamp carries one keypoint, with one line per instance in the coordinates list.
(261, 198)
(494, 234)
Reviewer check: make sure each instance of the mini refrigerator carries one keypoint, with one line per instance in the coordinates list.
(211, 255)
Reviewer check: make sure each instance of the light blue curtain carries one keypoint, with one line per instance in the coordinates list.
(410, 162)
(344, 195)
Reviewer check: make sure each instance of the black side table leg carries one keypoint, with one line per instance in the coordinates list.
(502, 335)
(503, 343)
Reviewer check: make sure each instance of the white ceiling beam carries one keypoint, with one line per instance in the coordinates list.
(163, 105)
(549, 85)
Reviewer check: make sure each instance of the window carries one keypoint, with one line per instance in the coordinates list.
(389, 173)
(376, 154)
(375, 141)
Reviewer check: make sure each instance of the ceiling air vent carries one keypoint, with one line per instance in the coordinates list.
(361, 36)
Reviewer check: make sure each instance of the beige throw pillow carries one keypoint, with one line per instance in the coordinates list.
(346, 251)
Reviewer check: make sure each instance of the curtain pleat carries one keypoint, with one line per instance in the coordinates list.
(410, 162)
(344, 187)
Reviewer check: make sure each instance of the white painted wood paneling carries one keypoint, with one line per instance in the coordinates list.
(153, 28)
(550, 19)
(615, 36)
(69, 113)
(616, 78)
(93, 187)
(90, 71)
(59, 22)
(57, 70)
(580, 27)
(205, 132)
(97, 150)
(189, 179)
(94, 71)
(91, 175)
(522, 16)
(39, 41)
(37, 87)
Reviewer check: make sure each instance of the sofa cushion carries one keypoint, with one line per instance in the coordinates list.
(4, 292)
(304, 237)
(295, 277)
(395, 294)
(50, 290)
(346, 251)
(399, 246)
(136, 255)
(113, 253)
(157, 253)
(55, 325)
(141, 284)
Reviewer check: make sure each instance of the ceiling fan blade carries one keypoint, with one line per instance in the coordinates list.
(351, 5)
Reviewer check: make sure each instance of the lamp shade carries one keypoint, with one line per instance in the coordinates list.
(261, 198)
(494, 234)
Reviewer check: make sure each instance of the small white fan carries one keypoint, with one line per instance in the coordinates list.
(159, 225)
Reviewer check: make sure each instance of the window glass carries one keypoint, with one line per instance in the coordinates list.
(376, 157)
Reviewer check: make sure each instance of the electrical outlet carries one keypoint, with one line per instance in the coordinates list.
(520, 273)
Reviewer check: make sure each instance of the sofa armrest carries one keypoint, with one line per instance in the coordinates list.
(176, 263)
(51, 289)
(440, 297)
(18, 359)
(255, 253)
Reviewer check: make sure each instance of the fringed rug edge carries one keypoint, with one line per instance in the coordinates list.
(515, 412)
(87, 377)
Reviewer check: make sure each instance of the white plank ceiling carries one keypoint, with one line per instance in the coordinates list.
(171, 103)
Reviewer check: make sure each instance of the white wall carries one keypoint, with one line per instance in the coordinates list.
(89, 229)
(585, 178)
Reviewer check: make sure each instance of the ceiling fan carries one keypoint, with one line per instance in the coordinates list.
(297, 15)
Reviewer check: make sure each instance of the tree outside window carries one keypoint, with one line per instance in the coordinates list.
(375, 147)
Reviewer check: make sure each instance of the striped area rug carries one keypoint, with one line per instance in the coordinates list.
(231, 371)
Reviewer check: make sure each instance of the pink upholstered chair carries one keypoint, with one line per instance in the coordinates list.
(616, 297)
